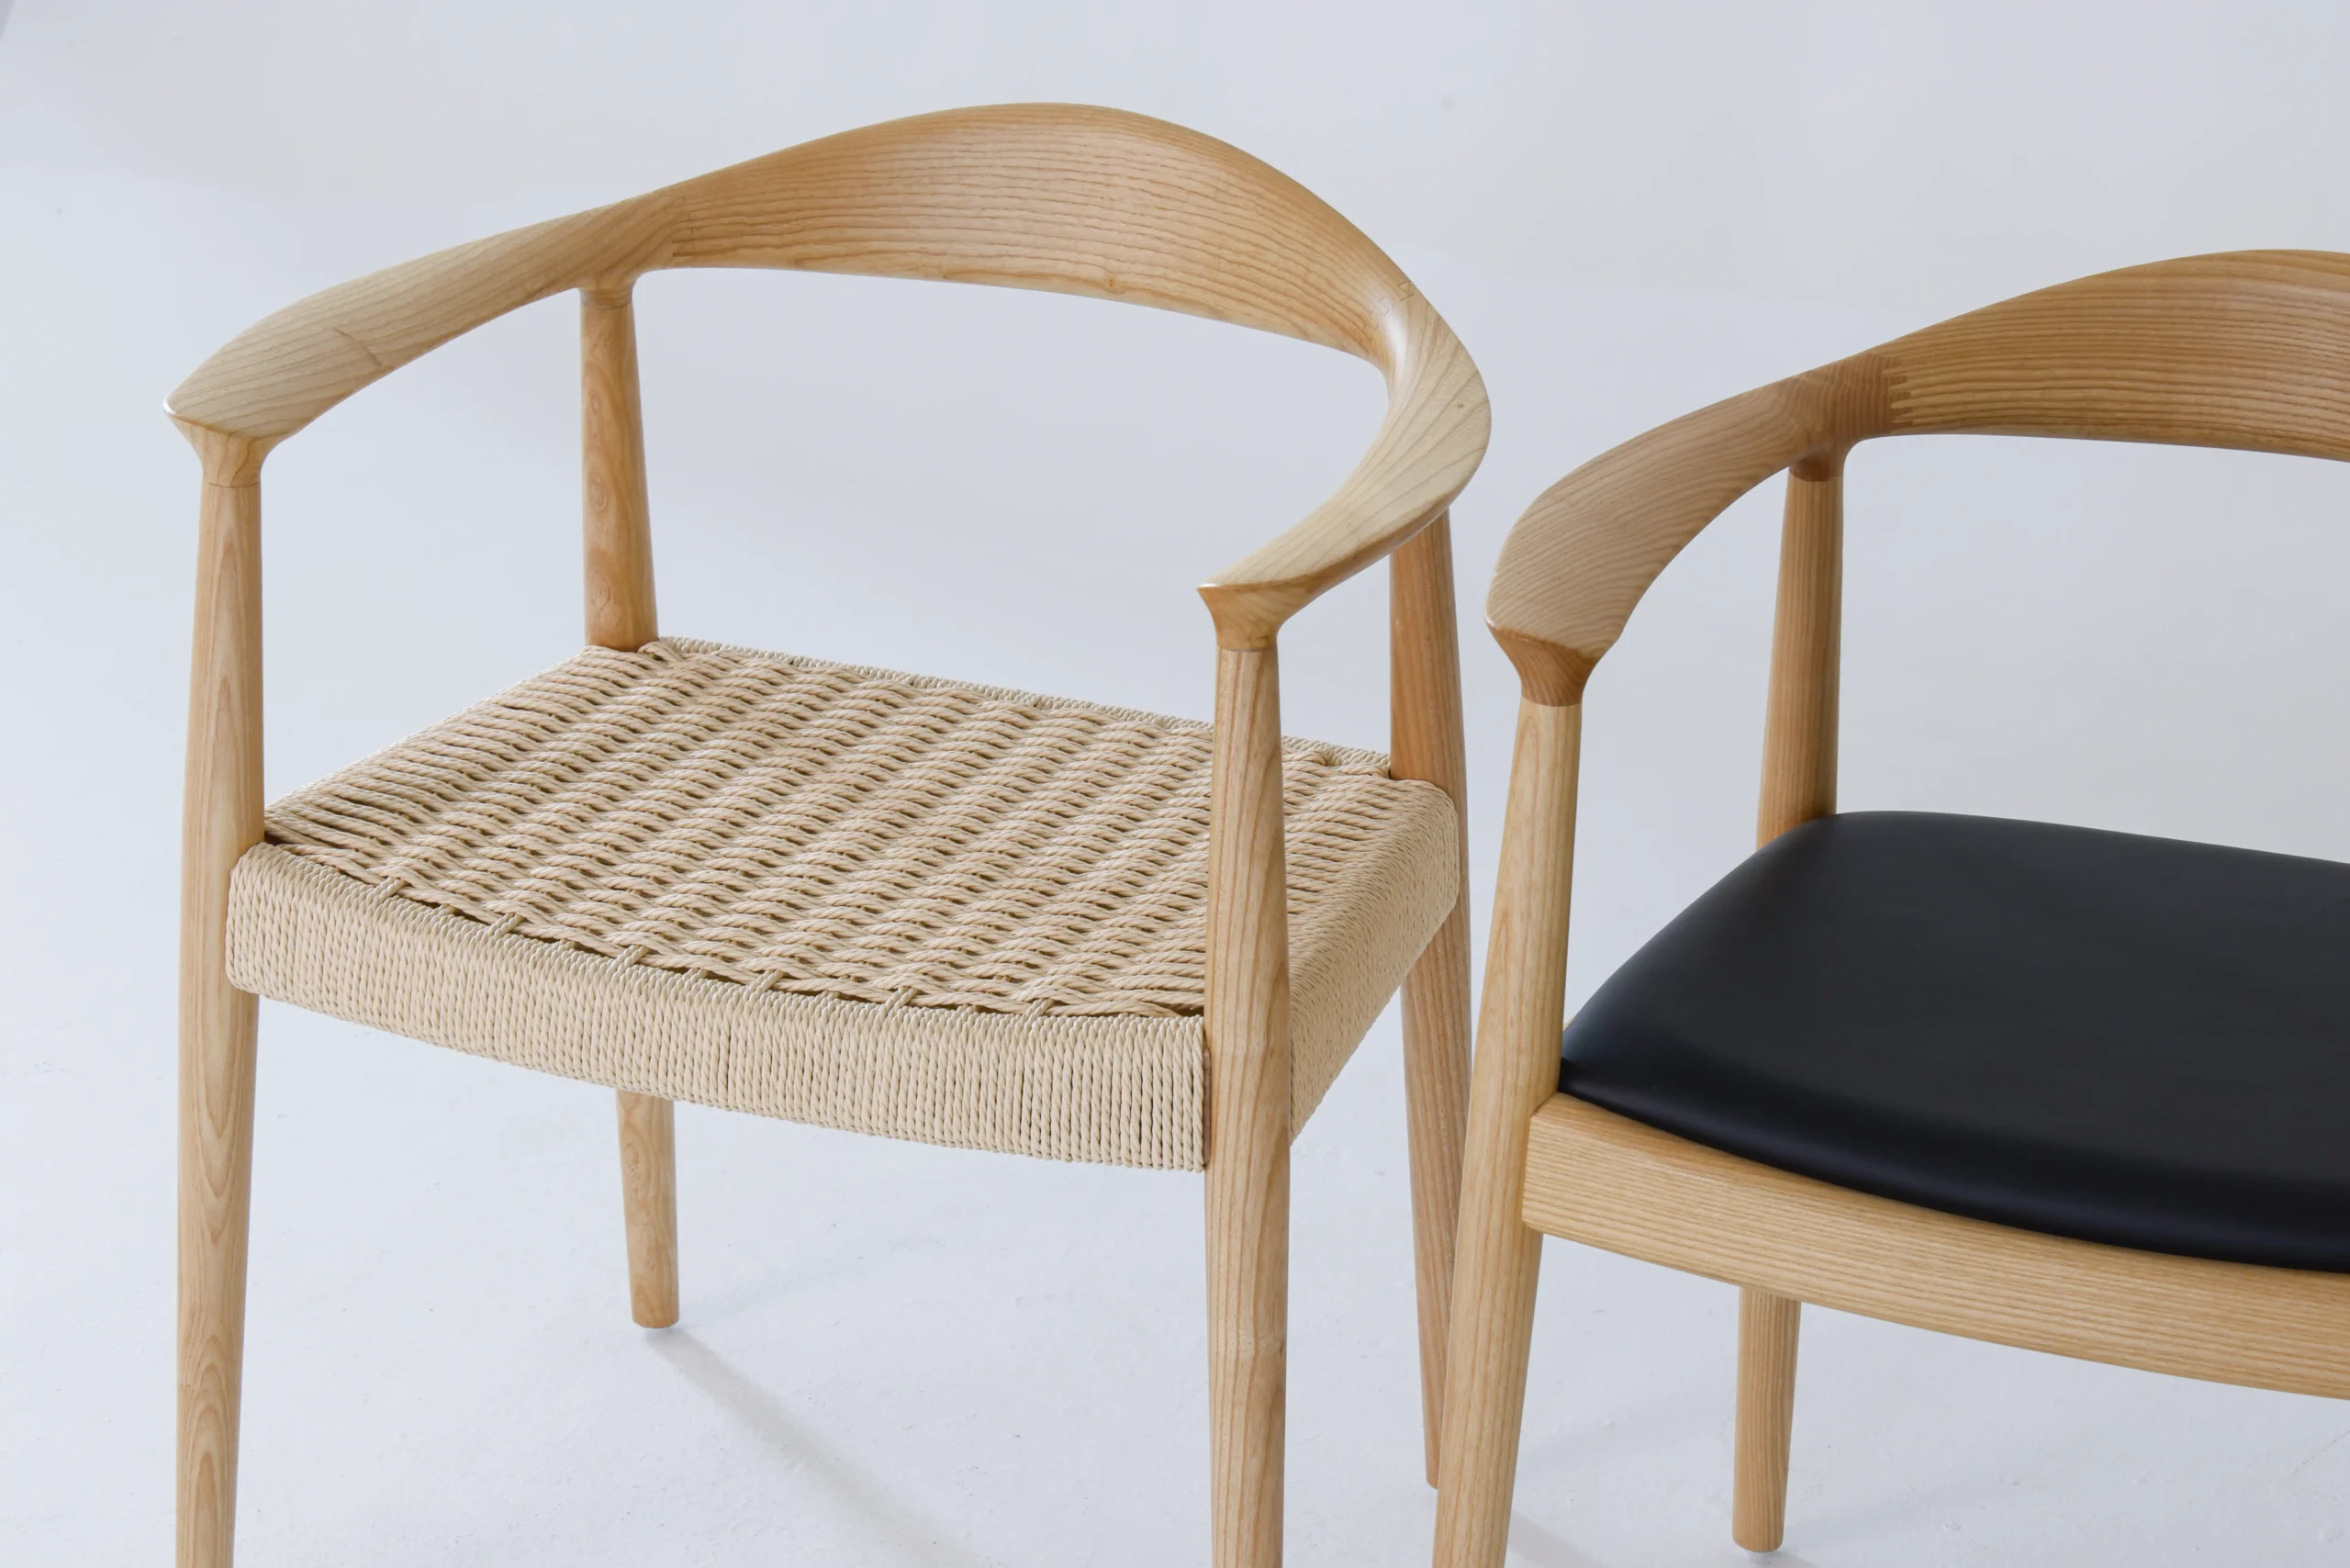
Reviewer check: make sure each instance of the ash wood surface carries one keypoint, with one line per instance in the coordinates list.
(1514, 1070)
(1057, 197)
(1053, 197)
(1612, 1182)
(617, 561)
(617, 532)
(1806, 642)
(1248, 1115)
(649, 1206)
(1428, 744)
(2247, 349)
(1798, 784)
(1769, 1327)
(222, 818)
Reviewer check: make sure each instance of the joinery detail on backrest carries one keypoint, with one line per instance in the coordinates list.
(2248, 350)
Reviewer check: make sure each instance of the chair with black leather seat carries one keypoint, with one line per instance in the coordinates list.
(2075, 1091)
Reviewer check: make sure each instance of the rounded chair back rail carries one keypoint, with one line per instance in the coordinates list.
(1060, 197)
(2248, 350)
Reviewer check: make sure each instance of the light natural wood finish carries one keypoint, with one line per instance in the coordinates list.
(1768, 1329)
(1072, 200)
(618, 527)
(1806, 642)
(649, 1205)
(1428, 744)
(2249, 349)
(1798, 784)
(617, 539)
(1053, 196)
(1249, 1114)
(222, 820)
(1615, 1183)
(1515, 1068)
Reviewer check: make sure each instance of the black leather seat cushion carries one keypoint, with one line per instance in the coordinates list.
(2124, 1039)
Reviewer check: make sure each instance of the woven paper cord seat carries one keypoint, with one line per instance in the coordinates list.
(863, 900)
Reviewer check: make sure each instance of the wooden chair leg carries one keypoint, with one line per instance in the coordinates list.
(1424, 654)
(1247, 1355)
(1248, 1117)
(1436, 1094)
(215, 1207)
(649, 1202)
(221, 819)
(1516, 1068)
(1768, 1329)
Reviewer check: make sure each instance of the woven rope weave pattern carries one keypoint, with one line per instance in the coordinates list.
(789, 829)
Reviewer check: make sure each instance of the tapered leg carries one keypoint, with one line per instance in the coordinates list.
(1516, 1068)
(221, 819)
(1247, 1355)
(1248, 1116)
(1768, 1327)
(649, 1199)
(1427, 746)
(1436, 1094)
(216, 1201)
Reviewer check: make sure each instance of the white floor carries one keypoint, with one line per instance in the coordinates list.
(894, 1355)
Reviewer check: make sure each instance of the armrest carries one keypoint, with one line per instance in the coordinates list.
(1430, 443)
(1057, 197)
(1588, 548)
(286, 369)
(2246, 348)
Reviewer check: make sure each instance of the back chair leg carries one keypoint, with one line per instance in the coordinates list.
(1425, 679)
(1436, 1095)
(649, 1201)
(1768, 1329)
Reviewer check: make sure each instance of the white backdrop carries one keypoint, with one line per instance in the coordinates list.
(894, 1355)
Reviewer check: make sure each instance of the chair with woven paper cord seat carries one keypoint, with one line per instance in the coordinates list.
(884, 902)
(2053, 1087)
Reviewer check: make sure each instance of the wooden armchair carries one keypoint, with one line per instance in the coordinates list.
(2074, 1091)
(885, 902)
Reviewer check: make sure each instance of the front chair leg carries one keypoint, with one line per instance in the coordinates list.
(649, 1204)
(1768, 1329)
(216, 1210)
(1248, 1204)
(1249, 1094)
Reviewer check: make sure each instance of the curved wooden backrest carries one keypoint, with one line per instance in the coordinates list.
(2248, 350)
(1060, 198)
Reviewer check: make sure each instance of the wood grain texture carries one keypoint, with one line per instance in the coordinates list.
(1247, 1025)
(1611, 1183)
(621, 612)
(617, 524)
(649, 1206)
(1806, 642)
(1769, 1327)
(1053, 197)
(2247, 349)
(1072, 200)
(1516, 1070)
(222, 818)
(1798, 784)
(1428, 744)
